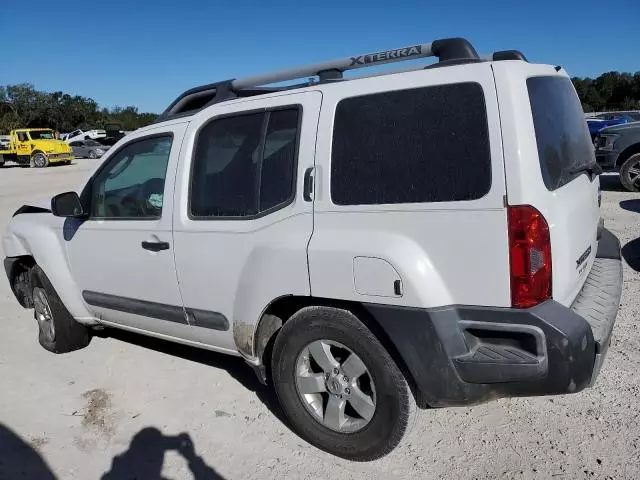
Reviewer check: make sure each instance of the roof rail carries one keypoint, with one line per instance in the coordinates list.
(199, 97)
(505, 55)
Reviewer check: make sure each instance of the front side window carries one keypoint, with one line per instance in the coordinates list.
(421, 145)
(244, 165)
(131, 184)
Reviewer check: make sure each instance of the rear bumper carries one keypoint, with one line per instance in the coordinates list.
(460, 355)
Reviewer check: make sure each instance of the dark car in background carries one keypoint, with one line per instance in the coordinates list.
(88, 148)
(604, 120)
(618, 150)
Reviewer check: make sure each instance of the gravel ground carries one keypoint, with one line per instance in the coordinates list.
(135, 407)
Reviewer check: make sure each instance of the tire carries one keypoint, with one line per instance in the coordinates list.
(630, 173)
(92, 154)
(67, 162)
(60, 333)
(39, 160)
(383, 385)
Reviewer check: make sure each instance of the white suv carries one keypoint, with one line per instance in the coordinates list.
(429, 235)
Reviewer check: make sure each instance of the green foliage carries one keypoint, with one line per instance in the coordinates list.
(609, 92)
(22, 106)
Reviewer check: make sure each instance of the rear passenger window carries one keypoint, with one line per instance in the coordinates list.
(411, 146)
(245, 165)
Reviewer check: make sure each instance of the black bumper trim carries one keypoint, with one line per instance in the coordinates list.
(461, 355)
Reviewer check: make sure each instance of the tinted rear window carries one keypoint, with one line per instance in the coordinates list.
(562, 136)
(411, 146)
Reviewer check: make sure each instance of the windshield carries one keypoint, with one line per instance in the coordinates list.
(634, 116)
(42, 135)
(562, 136)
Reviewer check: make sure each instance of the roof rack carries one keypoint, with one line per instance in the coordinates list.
(449, 51)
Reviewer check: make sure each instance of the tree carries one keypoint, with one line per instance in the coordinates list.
(22, 106)
(609, 92)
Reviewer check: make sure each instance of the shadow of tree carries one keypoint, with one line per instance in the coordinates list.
(631, 205)
(145, 457)
(611, 183)
(18, 459)
(631, 253)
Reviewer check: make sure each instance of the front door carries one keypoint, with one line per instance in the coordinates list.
(122, 256)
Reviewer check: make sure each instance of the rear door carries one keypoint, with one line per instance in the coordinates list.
(547, 154)
(241, 221)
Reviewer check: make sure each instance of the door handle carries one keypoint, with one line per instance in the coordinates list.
(155, 246)
(308, 185)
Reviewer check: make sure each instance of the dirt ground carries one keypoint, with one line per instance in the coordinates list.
(131, 407)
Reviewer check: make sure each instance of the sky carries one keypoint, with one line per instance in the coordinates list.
(145, 53)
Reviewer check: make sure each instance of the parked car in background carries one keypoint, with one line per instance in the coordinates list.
(4, 141)
(618, 150)
(88, 148)
(114, 132)
(604, 120)
(37, 147)
(77, 135)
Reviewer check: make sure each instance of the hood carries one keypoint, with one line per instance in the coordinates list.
(42, 205)
(50, 144)
(621, 127)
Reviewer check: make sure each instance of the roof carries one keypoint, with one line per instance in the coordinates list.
(449, 51)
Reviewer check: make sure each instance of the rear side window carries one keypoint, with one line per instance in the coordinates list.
(562, 135)
(244, 166)
(411, 146)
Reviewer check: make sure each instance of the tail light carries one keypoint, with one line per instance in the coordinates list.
(529, 256)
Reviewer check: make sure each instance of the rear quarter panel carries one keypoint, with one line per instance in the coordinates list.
(445, 252)
(572, 210)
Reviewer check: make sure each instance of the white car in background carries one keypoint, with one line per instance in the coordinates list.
(78, 135)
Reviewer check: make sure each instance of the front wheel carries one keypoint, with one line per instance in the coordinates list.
(92, 154)
(59, 332)
(39, 160)
(630, 173)
(338, 386)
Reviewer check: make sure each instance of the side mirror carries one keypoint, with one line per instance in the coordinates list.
(67, 204)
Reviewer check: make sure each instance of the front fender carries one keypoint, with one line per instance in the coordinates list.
(39, 235)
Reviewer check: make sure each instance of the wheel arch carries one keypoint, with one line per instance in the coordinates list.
(281, 309)
(31, 243)
(628, 153)
(18, 271)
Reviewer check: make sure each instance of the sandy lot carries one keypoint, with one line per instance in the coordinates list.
(131, 407)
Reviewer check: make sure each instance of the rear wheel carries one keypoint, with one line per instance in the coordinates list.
(630, 173)
(338, 386)
(39, 160)
(59, 332)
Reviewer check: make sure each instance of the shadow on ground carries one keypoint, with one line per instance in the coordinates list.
(145, 456)
(235, 366)
(631, 205)
(611, 183)
(142, 460)
(631, 253)
(19, 459)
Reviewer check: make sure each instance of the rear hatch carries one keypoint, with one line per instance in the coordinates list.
(570, 203)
